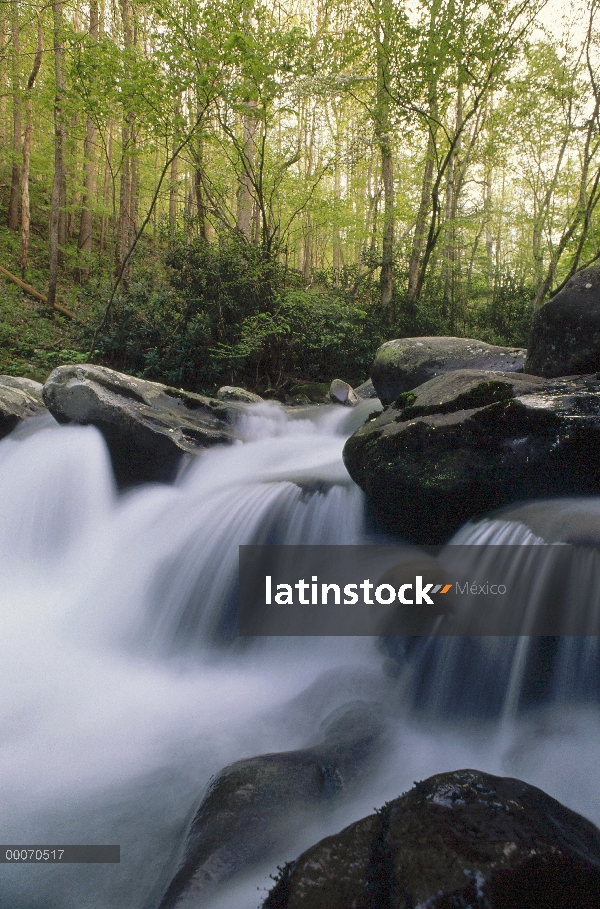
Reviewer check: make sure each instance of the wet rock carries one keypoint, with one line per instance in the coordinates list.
(342, 393)
(247, 809)
(19, 399)
(147, 426)
(405, 363)
(565, 333)
(461, 445)
(461, 839)
(366, 390)
(232, 393)
(574, 520)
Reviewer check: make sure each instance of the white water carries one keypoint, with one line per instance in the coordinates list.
(122, 691)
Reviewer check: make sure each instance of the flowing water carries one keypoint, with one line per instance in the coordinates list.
(123, 688)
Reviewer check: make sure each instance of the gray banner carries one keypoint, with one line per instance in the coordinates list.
(403, 590)
(64, 855)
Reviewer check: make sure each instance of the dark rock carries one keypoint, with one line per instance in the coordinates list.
(461, 839)
(342, 393)
(458, 447)
(247, 808)
(297, 400)
(405, 363)
(19, 400)
(565, 332)
(147, 426)
(232, 393)
(366, 390)
(316, 392)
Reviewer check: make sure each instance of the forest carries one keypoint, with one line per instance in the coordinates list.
(261, 193)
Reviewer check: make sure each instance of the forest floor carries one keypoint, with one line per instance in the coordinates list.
(34, 339)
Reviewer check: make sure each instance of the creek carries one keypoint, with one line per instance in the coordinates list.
(123, 689)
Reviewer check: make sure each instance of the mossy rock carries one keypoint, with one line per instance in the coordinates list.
(316, 392)
(462, 445)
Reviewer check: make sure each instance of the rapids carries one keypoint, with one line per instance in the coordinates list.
(123, 688)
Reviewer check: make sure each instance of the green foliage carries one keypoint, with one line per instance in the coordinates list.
(227, 314)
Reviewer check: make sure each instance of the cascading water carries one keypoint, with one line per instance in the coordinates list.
(123, 689)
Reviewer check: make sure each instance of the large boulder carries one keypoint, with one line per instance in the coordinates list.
(147, 426)
(468, 442)
(461, 839)
(233, 393)
(565, 332)
(247, 809)
(366, 390)
(342, 393)
(19, 399)
(405, 363)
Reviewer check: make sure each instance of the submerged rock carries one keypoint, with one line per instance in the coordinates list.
(565, 333)
(147, 426)
(461, 839)
(405, 363)
(468, 442)
(247, 809)
(342, 393)
(575, 521)
(233, 393)
(19, 399)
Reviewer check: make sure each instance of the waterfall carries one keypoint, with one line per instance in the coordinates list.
(123, 688)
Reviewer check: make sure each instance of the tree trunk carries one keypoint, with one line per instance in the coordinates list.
(25, 213)
(450, 250)
(244, 191)
(127, 138)
(84, 242)
(59, 146)
(15, 181)
(106, 189)
(421, 224)
(383, 135)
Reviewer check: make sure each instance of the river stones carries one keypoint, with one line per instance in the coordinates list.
(147, 426)
(342, 393)
(316, 392)
(19, 399)
(464, 444)
(565, 333)
(575, 521)
(366, 390)
(460, 839)
(404, 363)
(247, 809)
(233, 393)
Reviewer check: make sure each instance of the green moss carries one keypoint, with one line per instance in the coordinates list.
(314, 391)
(482, 395)
(405, 399)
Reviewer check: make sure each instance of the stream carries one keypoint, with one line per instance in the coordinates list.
(123, 687)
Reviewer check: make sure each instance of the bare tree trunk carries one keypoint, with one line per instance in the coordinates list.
(383, 134)
(84, 242)
(244, 191)
(452, 190)
(337, 187)
(15, 181)
(106, 190)
(421, 224)
(125, 197)
(25, 212)
(59, 147)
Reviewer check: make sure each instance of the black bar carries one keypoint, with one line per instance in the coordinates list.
(63, 855)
